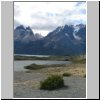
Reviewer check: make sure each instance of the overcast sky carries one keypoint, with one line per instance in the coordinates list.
(44, 17)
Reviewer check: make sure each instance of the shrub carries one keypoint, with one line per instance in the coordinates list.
(33, 67)
(66, 74)
(52, 82)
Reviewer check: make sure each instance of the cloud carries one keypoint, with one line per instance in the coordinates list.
(46, 16)
(16, 23)
(80, 3)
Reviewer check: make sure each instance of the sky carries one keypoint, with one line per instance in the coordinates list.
(44, 17)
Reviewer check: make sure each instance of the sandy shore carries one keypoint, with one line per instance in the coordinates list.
(26, 83)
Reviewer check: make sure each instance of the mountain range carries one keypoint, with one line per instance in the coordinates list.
(64, 40)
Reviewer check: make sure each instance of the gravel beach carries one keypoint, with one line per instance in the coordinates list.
(26, 85)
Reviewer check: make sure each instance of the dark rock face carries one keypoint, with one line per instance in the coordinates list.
(66, 40)
(25, 35)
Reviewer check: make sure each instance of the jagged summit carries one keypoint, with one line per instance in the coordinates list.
(64, 40)
(25, 35)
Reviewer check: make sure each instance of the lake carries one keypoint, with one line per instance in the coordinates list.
(31, 55)
(19, 65)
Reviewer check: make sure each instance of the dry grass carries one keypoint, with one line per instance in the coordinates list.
(30, 83)
(73, 69)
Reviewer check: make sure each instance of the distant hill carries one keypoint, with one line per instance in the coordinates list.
(64, 40)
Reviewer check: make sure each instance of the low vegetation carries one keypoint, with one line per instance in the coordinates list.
(75, 59)
(67, 74)
(59, 58)
(52, 82)
(77, 67)
(35, 66)
(78, 59)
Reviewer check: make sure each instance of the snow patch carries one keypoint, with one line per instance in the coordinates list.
(76, 29)
(66, 34)
(76, 37)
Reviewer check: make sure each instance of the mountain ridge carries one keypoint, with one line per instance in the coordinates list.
(64, 40)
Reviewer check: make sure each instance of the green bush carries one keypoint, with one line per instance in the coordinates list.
(52, 82)
(34, 67)
(67, 74)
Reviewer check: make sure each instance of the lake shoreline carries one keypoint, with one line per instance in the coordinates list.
(26, 83)
(41, 57)
(20, 64)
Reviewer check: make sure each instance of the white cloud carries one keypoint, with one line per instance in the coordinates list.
(42, 32)
(46, 16)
